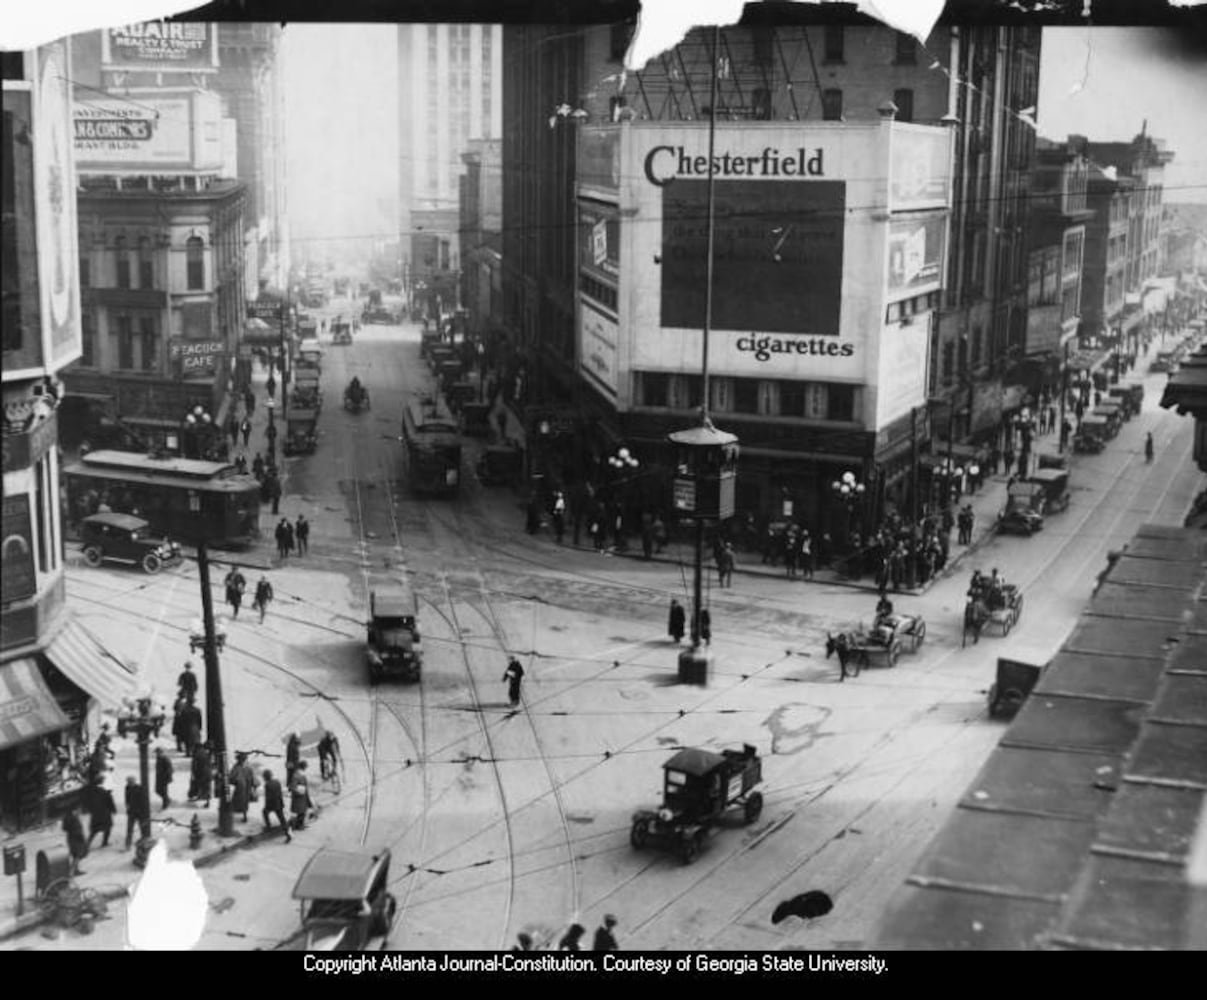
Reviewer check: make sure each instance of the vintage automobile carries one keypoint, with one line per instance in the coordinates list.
(1166, 361)
(1056, 488)
(126, 538)
(305, 392)
(1023, 513)
(500, 465)
(1052, 460)
(699, 786)
(1091, 435)
(393, 648)
(1112, 413)
(475, 419)
(345, 902)
(301, 437)
(341, 331)
(1015, 680)
(309, 355)
(379, 314)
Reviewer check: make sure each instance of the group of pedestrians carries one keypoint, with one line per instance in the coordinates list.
(292, 535)
(604, 940)
(235, 585)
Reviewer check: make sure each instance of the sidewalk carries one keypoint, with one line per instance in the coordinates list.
(110, 871)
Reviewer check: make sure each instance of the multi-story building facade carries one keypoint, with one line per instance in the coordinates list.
(1057, 233)
(163, 239)
(1143, 161)
(481, 237)
(1104, 278)
(578, 318)
(54, 679)
(979, 339)
(450, 78)
(250, 84)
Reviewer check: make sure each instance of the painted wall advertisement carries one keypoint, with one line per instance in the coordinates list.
(599, 158)
(599, 336)
(195, 359)
(915, 253)
(157, 46)
(777, 254)
(54, 189)
(17, 568)
(920, 164)
(155, 132)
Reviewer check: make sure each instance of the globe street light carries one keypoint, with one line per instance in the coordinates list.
(849, 492)
(142, 717)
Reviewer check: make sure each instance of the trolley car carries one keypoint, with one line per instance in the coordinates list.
(432, 447)
(182, 498)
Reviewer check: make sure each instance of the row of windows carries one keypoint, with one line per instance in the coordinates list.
(905, 54)
(142, 261)
(135, 339)
(831, 401)
(831, 104)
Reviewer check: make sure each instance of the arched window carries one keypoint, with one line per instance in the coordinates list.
(195, 262)
(146, 263)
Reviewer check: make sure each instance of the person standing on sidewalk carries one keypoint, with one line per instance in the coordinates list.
(186, 683)
(1148, 448)
(302, 533)
(101, 810)
(245, 428)
(249, 404)
(274, 804)
(293, 756)
(243, 785)
(299, 791)
(163, 776)
(134, 809)
(725, 565)
(676, 621)
(232, 428)
(605, 940)
(77, 843)
(271, 385)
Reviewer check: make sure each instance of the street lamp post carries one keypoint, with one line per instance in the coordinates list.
(143, 719)
(850, 492)
(198, 423)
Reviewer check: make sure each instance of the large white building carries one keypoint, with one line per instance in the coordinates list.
(450, 92)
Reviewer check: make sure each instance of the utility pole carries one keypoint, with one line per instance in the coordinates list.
(214, 718)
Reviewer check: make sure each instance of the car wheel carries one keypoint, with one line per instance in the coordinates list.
(639, 834)
(754, 807)
(690, 848)
(93, 556)
(151, 563)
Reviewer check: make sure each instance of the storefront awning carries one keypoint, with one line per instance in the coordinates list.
(90, 666)
(27, 708)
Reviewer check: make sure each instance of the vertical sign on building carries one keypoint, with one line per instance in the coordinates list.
(17, 578)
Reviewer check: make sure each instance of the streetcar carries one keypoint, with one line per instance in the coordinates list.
(182, 498)
(432, 447)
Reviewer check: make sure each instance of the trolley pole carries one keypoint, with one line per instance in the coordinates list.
(214, 719)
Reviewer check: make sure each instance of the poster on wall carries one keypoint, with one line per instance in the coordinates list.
(777, 255)
(158, 46)
(17, 568)
(598, 348)
(55, 192)
(599, 231)
(919, 168)
(154, 132)
(915, 253)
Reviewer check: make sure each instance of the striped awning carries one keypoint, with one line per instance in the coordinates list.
(90, 666)
(27, 708)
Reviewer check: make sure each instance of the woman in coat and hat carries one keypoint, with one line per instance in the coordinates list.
(201, 783)
(101, 809)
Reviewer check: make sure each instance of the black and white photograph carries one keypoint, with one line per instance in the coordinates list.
(724, 483)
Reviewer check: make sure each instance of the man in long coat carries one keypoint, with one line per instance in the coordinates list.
(274, 804)
(201, 780)
(243, 783)
(101, 810)
(163, 776)
(77, 843)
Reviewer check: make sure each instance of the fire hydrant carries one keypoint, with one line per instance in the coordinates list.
(195, 833)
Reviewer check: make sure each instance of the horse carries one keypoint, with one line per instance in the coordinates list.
(975, 617)
(843, 645)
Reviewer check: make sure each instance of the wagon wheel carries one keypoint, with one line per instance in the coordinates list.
(1007, 623)
(1018, 608)
(894, 654)
(753, 807)
(854, 664)
(639, 834)
(919, 634)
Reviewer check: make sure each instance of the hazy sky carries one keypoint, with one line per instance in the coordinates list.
(1104, 83)
(342, 131)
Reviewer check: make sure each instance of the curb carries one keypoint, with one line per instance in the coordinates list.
(34, 917)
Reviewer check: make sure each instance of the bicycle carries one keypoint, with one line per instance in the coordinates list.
(332, 777)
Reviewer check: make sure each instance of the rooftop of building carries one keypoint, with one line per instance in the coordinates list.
(1087, 826)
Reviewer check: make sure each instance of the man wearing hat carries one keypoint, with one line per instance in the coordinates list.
(163, 776)
(605, 940)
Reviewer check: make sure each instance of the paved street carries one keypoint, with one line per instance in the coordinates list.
(501, 821)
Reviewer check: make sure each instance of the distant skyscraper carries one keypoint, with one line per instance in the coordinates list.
(449, 78)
